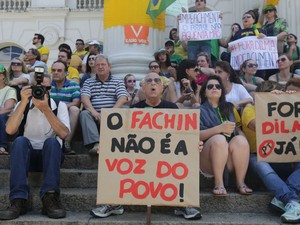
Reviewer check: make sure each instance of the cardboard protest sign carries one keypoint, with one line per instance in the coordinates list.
(263, 51)
(277, 127)
(197, 26)
(149, 157)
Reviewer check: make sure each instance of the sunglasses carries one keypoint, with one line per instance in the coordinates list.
(196, 70)
(281, 60)
(150, 80)
(131, 81)
(16, 64)
(153, 67)
(246, 17)
(200, 1)
(252, 65)
(211, 86)
(78, 44)
(91, 58)
(269, 10)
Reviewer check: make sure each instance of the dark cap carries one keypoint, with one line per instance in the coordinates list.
(169, 42)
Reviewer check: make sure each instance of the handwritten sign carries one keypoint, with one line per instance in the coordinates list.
(149, 157)
(278, 127)
(263, 51)
(200, 26)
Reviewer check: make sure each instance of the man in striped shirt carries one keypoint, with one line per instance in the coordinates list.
(68, 92)
(101, 91)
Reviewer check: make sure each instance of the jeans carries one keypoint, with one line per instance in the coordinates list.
(23, 158)
(286, 190)
(3, 134)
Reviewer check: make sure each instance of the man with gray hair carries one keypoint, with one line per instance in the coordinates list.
(101, 91)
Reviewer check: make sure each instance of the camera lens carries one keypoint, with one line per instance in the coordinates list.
(38, 92)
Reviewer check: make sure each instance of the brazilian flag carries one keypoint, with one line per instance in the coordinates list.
(156, 7)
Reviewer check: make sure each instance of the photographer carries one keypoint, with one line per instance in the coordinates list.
(37, 148)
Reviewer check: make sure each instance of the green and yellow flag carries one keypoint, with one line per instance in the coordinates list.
(156, 7)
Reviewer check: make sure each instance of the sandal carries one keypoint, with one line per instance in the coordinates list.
(219, 191)
(245, 190)
(3, 151)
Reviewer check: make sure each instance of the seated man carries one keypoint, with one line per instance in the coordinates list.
(101, 91)
(37, 148)
(152, 87)
(68, 92)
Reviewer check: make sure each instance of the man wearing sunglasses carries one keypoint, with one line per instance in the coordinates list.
(38, 41)
(152, 86)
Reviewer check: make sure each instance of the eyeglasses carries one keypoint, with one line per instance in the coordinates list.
(91, 58)
(246, 17)
(211, 86)
(269, 10)
(56, 70)
(131, 81)
(78, 44)
(150, 80)
(251, 65)
(281, 60)
(200, 1)
(16, 64)
(153, 67)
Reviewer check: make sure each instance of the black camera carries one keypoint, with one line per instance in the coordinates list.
(38, 90)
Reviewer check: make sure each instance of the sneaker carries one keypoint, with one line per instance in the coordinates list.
(67, 149)
(17, 207)
(292, 214)
(188, 213)
(106, 210)
(52, 206)
(94, 150)
(277, 205)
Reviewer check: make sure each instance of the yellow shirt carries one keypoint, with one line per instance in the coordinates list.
(81, 54)
(247, 117)
(44, 51)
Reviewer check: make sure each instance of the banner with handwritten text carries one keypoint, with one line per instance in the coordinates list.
(149, 157)
(263, 51)
(278, 127)
(197, 26)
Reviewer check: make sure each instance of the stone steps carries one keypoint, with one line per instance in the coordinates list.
(139, 218)
(78, 195)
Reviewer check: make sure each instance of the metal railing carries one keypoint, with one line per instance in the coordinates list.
(22, 5)
(90, 4)
(14, 5)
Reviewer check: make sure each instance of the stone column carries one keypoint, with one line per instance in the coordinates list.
(130, 58)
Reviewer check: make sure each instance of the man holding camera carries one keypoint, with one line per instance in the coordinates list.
(42, 124)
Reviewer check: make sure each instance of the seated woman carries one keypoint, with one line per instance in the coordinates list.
(282, 179)
(18, 76)
(247, 75)
(284, 74)
(203, 63)
(235, 92)
(8, 99)
(186, 87)
(130, 85)
(293, 52)
(225, 144)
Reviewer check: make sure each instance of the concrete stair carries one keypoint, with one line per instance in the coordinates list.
(78, 195)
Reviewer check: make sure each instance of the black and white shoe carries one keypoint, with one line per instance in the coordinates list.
(188, 213)
(103, 211)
